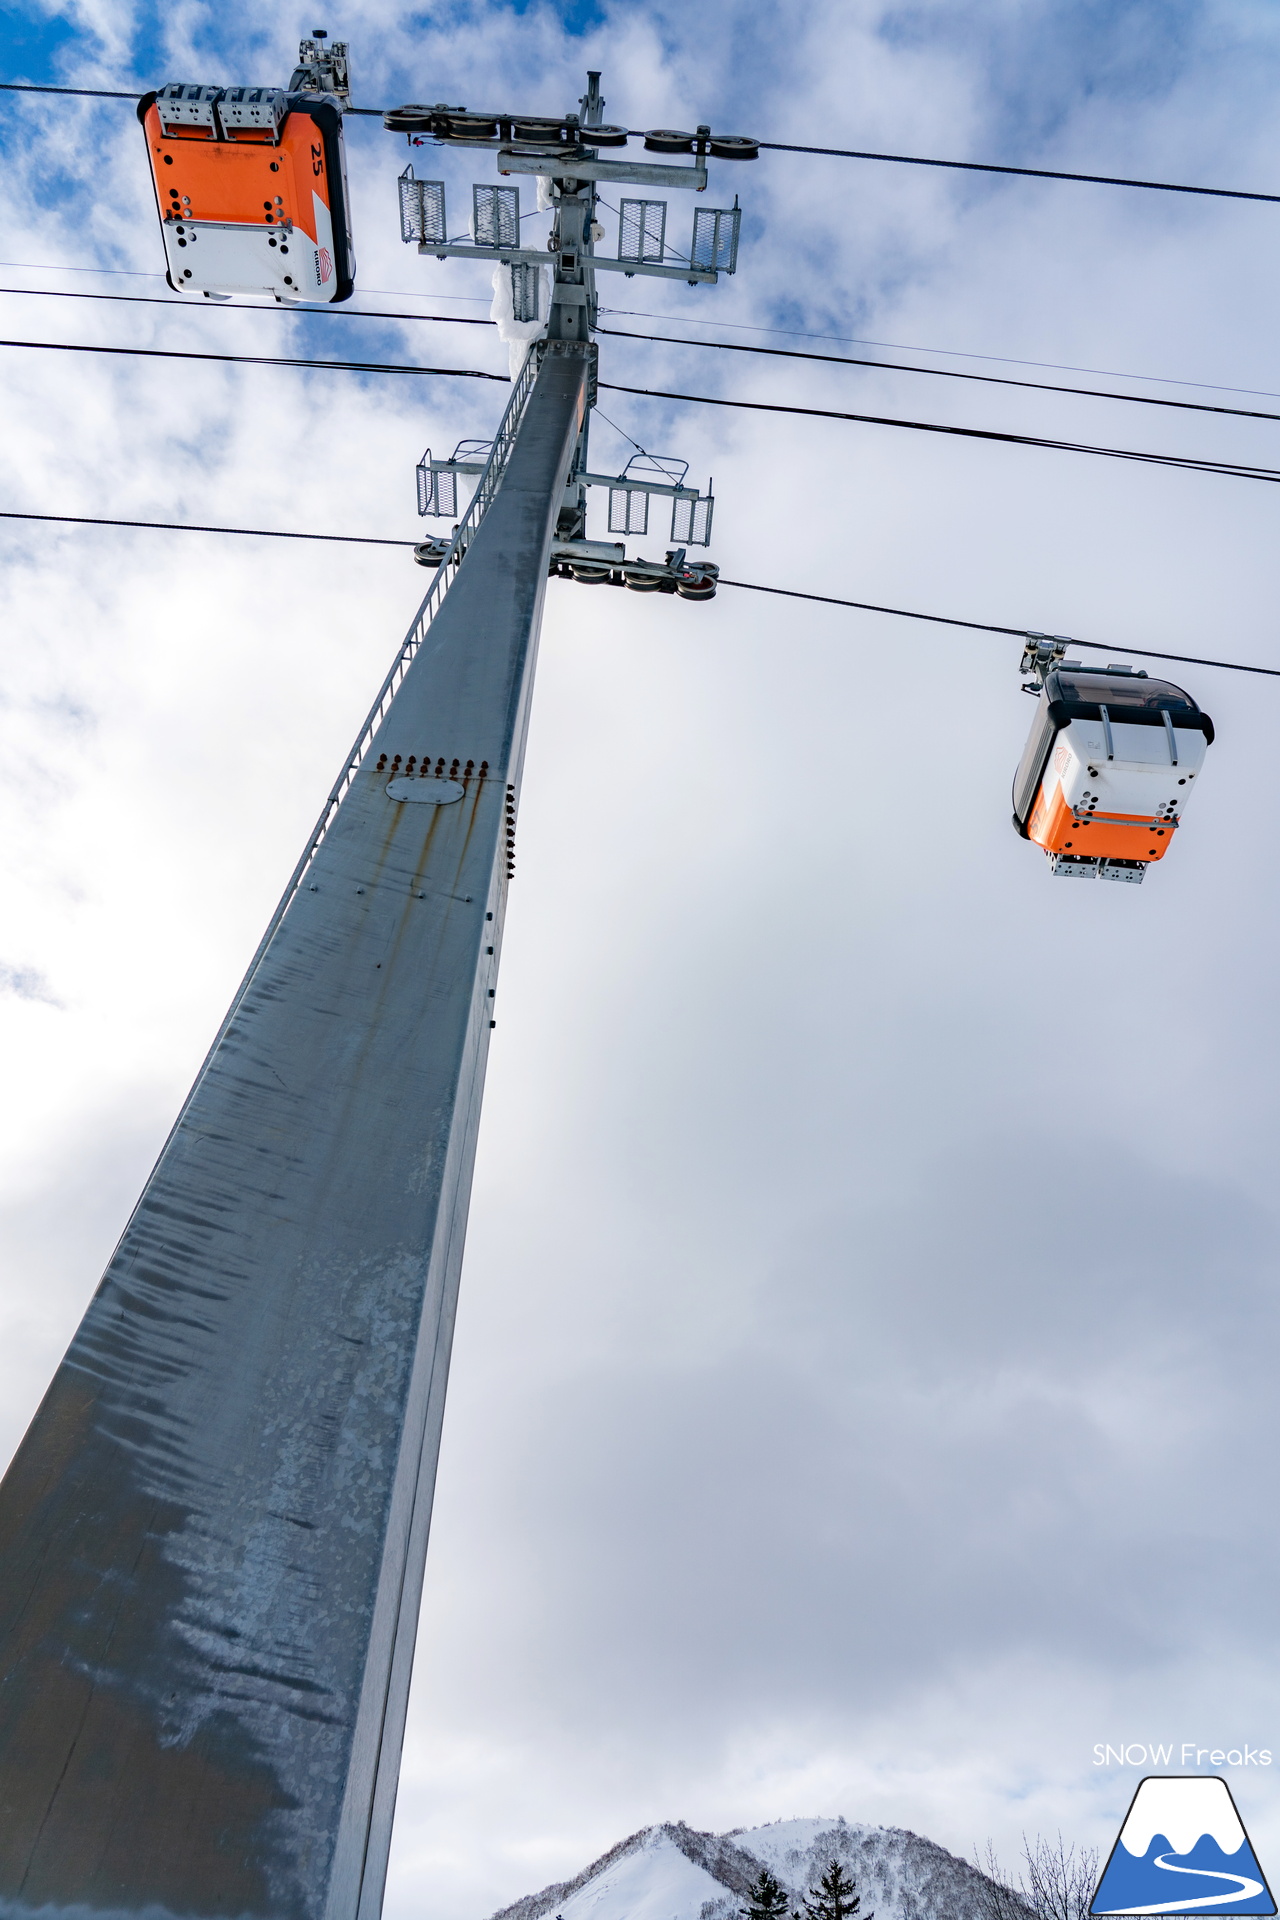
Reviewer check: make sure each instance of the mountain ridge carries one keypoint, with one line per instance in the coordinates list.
(672, 1871)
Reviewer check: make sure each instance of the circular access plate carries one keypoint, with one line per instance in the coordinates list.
(429, 793)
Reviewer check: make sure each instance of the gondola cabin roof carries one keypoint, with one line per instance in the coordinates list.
(1133, 699)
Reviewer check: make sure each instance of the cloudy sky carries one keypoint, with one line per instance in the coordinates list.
(863, 1396)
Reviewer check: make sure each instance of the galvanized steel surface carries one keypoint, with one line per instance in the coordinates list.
(211, 1539)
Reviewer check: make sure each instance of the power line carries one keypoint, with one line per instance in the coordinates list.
(745, 586)
(1184, 462)
(60, 266)
(632, 313)
(987, 626)
(259, 360)
(938, 373)
(113, 93)
(936, 619)
(247, 306)
(1031, 173)
(664, 339)
(389, 293)
(829, 153)
(891, 346)
(898, 346)
(187, 526)
(1237, 469)
(85, 93)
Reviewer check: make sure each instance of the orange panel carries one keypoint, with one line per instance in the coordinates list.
(241, 180)
(1051, 826)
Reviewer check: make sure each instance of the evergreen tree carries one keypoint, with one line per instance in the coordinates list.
(766, 1900)
(834, 1898)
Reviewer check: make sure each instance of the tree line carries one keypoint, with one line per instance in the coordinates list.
(834, 1898)
(1054, 1881)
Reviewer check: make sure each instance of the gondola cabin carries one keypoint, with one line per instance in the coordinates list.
(251, 188)
(1112, 759)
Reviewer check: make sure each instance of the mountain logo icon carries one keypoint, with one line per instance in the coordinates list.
(1182, 1850)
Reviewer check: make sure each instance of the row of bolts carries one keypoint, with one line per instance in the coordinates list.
(453, 775)
(426, 767)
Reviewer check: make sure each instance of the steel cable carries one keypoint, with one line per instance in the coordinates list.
(670, 340)
(1184, 462)
(258, 360)
(1236, 469)
(247, 306)
(987, 626)
(190, 526)
(627, 313)
(745, 586)
(939, 373)
(784, 146)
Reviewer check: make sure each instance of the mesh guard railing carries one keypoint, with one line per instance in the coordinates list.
(470, 521)
(463, 533)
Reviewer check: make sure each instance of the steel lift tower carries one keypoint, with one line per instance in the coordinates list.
(212, 1537)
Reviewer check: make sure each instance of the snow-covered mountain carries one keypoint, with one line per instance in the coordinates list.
(676, 1873)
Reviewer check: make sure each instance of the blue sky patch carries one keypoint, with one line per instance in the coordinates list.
(32, 43)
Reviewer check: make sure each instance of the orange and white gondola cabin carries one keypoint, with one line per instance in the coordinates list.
(252, 192)
(1112, 759)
